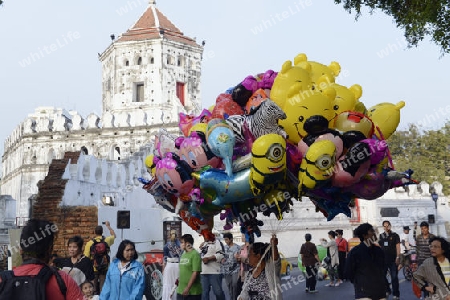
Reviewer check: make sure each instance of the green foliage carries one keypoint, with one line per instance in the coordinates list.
(424, 151)
(418, 18)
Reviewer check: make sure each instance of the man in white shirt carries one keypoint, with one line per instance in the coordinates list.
(211, 254)
(407, 241)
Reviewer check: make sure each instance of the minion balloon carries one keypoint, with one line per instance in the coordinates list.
(268, 166)
(317, 165)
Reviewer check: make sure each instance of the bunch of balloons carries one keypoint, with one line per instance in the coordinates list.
(275, 137)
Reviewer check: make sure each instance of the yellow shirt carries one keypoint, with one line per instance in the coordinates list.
(445, 268)
(87, 249)
(353, 242)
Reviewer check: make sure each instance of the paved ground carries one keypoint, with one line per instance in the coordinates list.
(296, 289)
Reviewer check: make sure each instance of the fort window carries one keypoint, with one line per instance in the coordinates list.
(138, 92)
(180, 92)
(115, 153)
(169, 60)
(180, 61)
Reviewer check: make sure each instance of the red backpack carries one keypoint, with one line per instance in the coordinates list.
(100, 255)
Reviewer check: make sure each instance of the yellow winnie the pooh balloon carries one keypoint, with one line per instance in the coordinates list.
(303, 104)
(316, 69)
(286, 78)
(386, 116)
(346, 98)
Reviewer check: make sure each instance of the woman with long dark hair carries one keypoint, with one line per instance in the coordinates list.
(342, 246)
(332, 253)
(125, 277)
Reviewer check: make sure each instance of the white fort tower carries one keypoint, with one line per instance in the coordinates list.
(150, 74)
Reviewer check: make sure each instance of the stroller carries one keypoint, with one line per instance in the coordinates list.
(410, 263)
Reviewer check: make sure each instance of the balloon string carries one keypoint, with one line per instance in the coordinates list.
(280, 216)
(391, 163)
(247, 278)
(273, 261)
(279, 224)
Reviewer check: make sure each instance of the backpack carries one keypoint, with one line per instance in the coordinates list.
(100, 255)
(29, 287)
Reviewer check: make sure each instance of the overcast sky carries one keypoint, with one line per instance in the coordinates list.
(242, 38)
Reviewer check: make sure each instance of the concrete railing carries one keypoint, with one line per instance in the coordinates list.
(57, 120)
(109, 173)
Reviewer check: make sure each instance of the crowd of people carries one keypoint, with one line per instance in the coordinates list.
(87, 275)
(368, 262)
(334, 262)
(250, 272)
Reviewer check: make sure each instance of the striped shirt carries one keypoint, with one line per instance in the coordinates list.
(423, 248)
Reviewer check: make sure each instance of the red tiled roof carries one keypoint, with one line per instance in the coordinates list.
(151, 24)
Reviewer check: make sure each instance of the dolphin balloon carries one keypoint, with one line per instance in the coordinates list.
(228, 189)
(221, 141)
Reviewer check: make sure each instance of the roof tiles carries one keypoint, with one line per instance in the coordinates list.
(154, 25)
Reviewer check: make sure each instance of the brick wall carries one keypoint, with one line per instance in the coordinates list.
(79, 220)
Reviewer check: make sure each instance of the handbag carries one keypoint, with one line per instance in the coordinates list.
(416, 289)
(327, 260)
